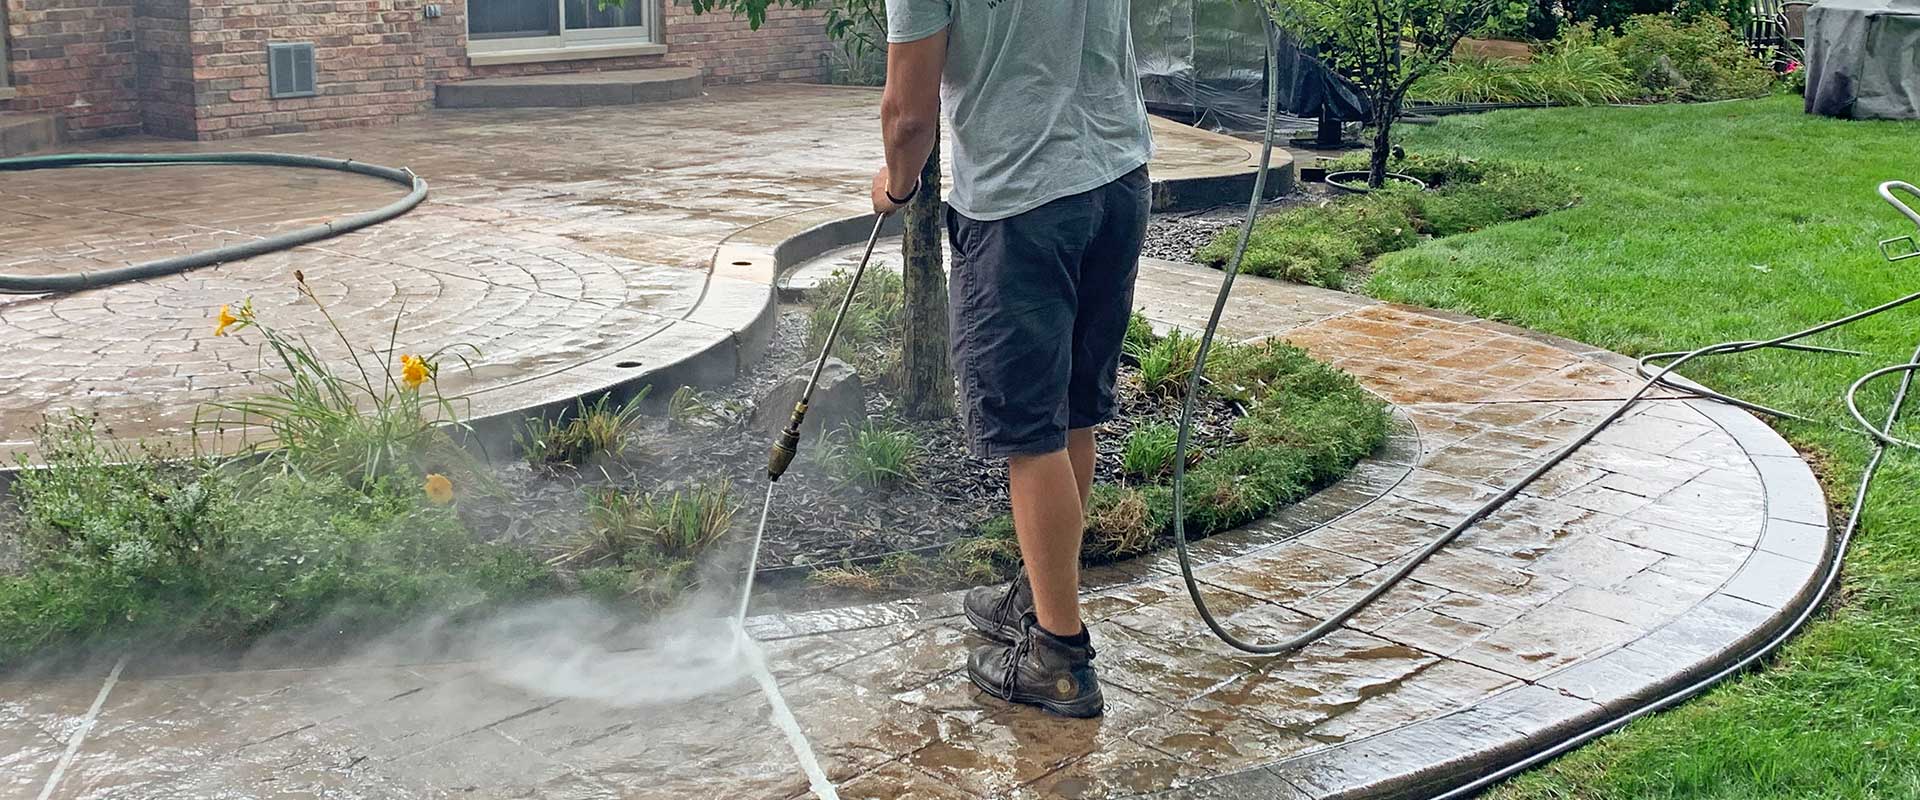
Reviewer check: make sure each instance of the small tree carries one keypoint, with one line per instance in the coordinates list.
(1385, 46)
(927, 381)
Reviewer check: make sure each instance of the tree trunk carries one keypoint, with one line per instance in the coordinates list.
(1382, 142)
(926, 379)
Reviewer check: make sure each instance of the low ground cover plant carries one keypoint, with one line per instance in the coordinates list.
(1320, 244)
(1306, 425)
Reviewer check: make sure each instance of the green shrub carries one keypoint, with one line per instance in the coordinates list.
(1317, 244)
(1166, 364)
(1149, 450)
(361, 425)
(115, 544)
(588, 432)
(1577, 69)
(874, 325)
(1610, 15)
(1690, 60)
(1139, 333)
(648, 545)
(879, 455)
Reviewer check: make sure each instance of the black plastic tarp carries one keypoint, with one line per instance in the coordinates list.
(1863, 59)
(1204, 60)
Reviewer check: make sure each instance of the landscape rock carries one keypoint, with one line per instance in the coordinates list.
(839, 400)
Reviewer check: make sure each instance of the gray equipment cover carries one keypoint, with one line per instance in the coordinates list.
(1863, 59)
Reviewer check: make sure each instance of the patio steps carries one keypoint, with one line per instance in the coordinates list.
(572, 90)
(22, 133)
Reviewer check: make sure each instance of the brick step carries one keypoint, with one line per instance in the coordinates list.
(22, 133)
(572, 90)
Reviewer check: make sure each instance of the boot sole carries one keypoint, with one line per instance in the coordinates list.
(1083, 707)
(993, 629)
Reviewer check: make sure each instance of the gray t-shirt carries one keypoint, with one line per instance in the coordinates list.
(1042, 95)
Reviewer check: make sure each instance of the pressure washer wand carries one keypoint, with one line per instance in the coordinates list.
(787, 445)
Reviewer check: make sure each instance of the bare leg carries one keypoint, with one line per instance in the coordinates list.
(1080, 450)
(1049, 519)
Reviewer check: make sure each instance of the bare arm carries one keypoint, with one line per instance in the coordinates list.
(909, 115)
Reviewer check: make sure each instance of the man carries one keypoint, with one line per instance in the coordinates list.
(1047, 213)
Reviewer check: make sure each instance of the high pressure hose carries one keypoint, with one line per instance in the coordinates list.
(50, 284)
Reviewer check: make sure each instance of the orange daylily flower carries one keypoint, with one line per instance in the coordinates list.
(414, 371)
(225, 320)
(439, 489)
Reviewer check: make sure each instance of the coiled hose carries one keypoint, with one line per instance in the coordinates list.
(52, 284)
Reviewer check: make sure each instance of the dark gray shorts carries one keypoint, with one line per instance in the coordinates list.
(1040, 302)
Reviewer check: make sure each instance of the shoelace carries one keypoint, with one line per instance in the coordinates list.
(1006, 600)
(1015, 655)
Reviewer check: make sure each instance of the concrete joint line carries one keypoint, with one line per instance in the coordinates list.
(80, 736)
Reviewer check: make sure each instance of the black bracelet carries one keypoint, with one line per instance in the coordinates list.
(901, 201)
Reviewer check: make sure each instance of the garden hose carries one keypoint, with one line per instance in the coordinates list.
(1662, 377)
(50, 284)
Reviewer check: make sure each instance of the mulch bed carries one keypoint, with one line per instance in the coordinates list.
(818, 519)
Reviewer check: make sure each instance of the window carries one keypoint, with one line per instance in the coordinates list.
(495, 26)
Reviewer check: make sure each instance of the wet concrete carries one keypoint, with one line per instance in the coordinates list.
(1650, 555)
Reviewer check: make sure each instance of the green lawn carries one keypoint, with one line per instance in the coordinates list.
(1700, 224)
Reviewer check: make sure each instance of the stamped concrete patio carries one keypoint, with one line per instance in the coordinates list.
(576, 250)
(1683, 535)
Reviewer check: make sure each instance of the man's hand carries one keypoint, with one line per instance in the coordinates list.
(882, 204)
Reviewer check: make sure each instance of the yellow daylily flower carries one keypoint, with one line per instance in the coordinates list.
(439, 489)
(414, 371)
(225, 320)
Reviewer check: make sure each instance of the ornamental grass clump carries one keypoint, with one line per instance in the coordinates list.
(362, 425)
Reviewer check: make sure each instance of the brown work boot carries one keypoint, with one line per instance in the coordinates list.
(998, 610)
(1040, 669)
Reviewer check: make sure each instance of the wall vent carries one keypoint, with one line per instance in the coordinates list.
(290, 70)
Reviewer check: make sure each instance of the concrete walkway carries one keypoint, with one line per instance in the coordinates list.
(1687, 531)
(576, 249)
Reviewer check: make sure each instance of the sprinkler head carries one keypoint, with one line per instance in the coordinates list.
(787, 445)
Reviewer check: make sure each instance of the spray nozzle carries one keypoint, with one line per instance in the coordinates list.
(787, 445)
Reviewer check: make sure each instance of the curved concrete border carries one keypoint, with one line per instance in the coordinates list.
(731, 325)
(1777, 582)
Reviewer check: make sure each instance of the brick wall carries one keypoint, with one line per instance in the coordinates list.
(369, 55)
(163, 68)
(74, 57)
(198, 68)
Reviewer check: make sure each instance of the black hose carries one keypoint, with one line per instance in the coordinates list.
(1659, 378)
(47, 284)
(1662, 377)
(1827, 583)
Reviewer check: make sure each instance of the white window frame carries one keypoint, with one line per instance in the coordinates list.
(590, 43)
